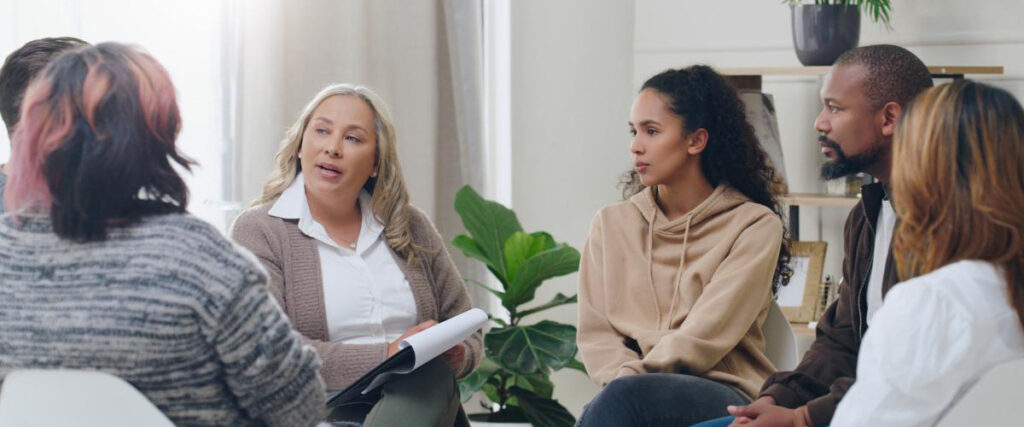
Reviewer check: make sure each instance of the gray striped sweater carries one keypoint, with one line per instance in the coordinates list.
(3, 184)
(169, 305)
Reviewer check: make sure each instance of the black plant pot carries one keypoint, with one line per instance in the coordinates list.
(823, 32)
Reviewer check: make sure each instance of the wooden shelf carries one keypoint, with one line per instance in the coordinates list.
(751, 77)
(795, 200)
(941, 70)
(815, 199)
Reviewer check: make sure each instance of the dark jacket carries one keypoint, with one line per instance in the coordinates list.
(828, 368)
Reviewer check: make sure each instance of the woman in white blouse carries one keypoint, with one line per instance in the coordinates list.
(354, 265)
(958, 189)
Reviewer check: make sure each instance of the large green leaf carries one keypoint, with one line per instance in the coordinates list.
(491, 391)
(518, 248)
(537, 383)
(469, 248)
(496, 292)
(476, 380)
(526, 350)
(472, 250)
(558, 300)
(490, 224)
(541, 411)
(558, 261)
(549, 242)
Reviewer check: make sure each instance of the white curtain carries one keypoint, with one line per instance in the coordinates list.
(462, 159)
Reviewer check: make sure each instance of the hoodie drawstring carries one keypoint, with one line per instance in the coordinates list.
(679, 271)
(650, 264)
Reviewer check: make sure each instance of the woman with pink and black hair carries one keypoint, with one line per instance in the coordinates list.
(101, 268)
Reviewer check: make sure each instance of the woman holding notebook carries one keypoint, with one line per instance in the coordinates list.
(354, 265)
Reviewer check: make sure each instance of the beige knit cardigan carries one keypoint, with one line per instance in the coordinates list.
(293, 264)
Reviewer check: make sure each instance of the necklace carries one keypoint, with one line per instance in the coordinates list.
(351, 244)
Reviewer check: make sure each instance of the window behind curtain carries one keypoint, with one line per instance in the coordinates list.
(193, 39)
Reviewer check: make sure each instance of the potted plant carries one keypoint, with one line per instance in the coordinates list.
(824, 29)
(519, 358)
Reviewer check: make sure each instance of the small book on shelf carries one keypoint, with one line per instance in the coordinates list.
(760, 109)
(416, 350)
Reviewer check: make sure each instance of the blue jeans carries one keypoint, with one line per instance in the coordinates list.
(659, 400)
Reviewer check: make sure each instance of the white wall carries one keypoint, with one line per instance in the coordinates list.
(571, 94)
(671, 33)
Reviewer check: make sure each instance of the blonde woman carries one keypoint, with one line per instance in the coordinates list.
(958, 188)
(354, 265)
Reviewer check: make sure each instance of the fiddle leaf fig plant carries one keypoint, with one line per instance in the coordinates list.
(519, 358)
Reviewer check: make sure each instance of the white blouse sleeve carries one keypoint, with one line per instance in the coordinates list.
(913, 362)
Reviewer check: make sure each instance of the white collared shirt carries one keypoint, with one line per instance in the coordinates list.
(934, 337)
(367, 297)
(883, 243)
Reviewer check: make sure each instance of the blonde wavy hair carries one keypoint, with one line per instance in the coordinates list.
(958, 183)
(390, 198)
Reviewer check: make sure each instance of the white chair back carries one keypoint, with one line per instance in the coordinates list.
(780, 343)
(991, 401)
(52, 398)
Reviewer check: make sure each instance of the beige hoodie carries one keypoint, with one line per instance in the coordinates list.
(692, 292)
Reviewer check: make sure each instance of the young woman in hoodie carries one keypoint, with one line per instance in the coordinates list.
(676, 280)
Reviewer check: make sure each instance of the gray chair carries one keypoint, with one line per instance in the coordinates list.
(991, 401)
(780, 342)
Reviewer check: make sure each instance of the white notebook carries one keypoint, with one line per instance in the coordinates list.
(415, 352)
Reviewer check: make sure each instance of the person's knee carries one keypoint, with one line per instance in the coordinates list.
(620, 392)
(627, 386)
(613, 405)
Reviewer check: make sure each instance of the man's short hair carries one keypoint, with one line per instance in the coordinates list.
(21, 67)
(894, 73)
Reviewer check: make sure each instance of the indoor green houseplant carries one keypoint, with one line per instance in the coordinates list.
(519, 358)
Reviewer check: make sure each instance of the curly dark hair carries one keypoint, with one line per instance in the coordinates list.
(704, 99)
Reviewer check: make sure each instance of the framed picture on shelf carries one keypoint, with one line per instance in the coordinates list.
(800, 298)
